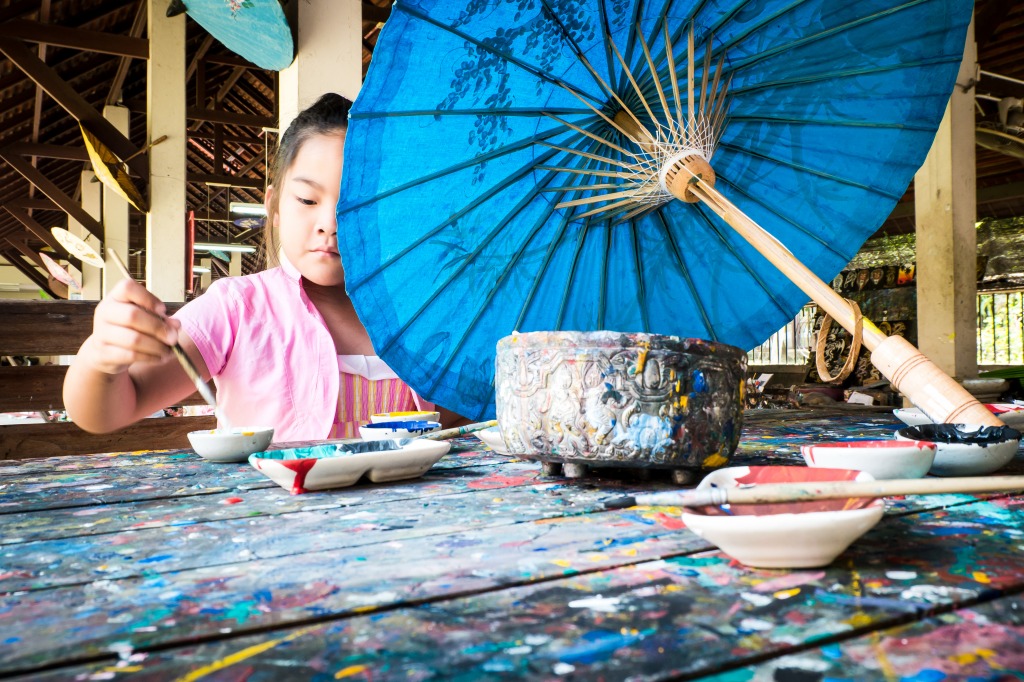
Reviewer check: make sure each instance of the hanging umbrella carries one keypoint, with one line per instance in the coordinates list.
(60, 273)
(112, 171)
(254, 29)
(77, 247)
(521, 165)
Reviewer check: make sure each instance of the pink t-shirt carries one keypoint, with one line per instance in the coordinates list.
(270, 353)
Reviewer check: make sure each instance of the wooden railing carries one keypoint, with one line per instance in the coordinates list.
(50, 328)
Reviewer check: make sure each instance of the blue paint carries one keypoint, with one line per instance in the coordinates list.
(597, 646)
(926, 675)
(156, 559)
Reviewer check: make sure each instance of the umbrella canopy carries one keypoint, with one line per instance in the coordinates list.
(77, 247)
(510, 160)
(254, 29)
(60, 273)
(111, 171)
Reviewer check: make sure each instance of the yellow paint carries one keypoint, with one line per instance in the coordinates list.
(715, 460)
(967, 658)
(641, 360)
(240, 656)
(349, 671)
(786, 594)
(364, 609)
(248, 433)
(122, 669)
(628, 552)
(859, 619)
(498, 499)
(598, 557)
(743, 390)
(981, 577)
(561, 562)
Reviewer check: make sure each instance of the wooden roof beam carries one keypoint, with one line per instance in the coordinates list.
(76, 105)
(32, 274)
(76, 38)
(138, 26)
(12, 155)
(229, 118)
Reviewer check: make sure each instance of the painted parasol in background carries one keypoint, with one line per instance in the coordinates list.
(254, 29)
(60, 273)
(77, 247)
(111, 171)
(627, 165)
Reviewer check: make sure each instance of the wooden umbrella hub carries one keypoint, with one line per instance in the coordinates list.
(683, 171)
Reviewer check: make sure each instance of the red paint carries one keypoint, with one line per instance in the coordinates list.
(231, 500)
(875, 444)
(301, 467)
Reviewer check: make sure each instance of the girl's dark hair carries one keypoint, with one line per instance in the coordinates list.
(327, 116)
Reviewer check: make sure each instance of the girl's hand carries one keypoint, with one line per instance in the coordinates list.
(129, 326)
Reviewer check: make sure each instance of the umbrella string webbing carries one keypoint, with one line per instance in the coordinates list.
(851, 359)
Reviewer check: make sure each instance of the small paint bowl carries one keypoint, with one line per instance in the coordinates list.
(231, 445)
(408, 429)
(415, 416)
(784, 535)
(883, 459)
(492, 438)
(966, 449)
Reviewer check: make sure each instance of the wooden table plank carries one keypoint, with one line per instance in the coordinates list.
(983, 643)
(675, 616)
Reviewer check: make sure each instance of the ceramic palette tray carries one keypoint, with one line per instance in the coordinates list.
(336, 465)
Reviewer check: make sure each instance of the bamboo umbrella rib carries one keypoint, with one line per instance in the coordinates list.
(596, 157)
(709, 330)
(675, 85)
(812, 171)
(538, 73)
(580, 171)
(683, 21)
(634, 29)
(552, 15)
(603, 185)
(580, 239)
(715, 95)
(598, 138)
(641, 288)
(611, 196)
(603, 209)
(636, 88)
(661, 92)
(690, 59)
(704, 74)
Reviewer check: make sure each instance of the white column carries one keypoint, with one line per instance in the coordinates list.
(115, 211)
(92, 278)
(235, 267)
(205, 278)
(945, 207)
(329, 56)
(165, 104)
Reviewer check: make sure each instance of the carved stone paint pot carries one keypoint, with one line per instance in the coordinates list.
(593, 399)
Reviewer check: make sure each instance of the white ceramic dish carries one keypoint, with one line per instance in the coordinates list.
(1011, 414)
(336, 465)
(883, 459)
(793, 535)
(415, 416)
(234, 445)
(966, 449)
(493, 439)
(397, 430)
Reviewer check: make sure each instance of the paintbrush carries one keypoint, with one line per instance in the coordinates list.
(771, 493)
(447, 434)
(179, 352)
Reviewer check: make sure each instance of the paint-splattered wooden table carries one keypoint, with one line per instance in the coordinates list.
(161, 566)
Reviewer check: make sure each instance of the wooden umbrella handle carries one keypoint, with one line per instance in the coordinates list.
(936, 393)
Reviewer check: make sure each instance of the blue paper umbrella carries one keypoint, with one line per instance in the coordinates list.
(516, 166)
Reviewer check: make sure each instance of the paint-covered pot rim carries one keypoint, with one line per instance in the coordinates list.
(614, 339)
(968, 434)
(404, 425)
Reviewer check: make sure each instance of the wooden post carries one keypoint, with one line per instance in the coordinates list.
(165, 104)
(92, 277)
(945, 207)
(115, 208)
(328, 56)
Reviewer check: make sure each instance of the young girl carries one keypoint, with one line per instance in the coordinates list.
(284, 346)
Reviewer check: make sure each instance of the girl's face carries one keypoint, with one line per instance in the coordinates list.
(307, 204)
